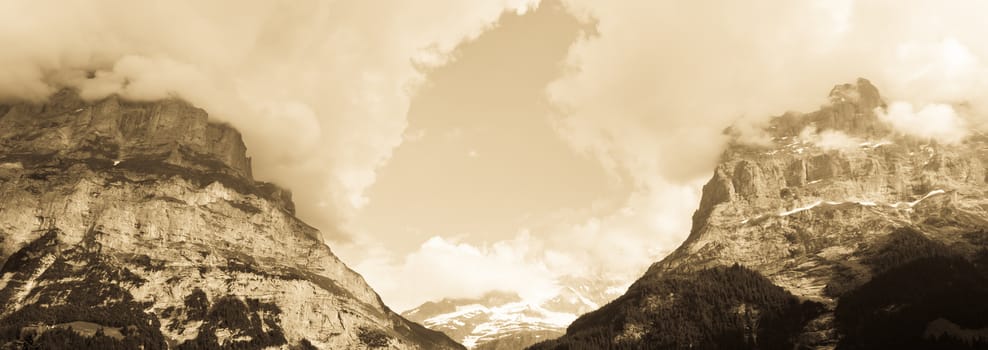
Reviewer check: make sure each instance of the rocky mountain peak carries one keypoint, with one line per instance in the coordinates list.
(166, 135)
(448, 305)
(169, 130)
(798, 168)
(861, 92)
(849, 226)
(142, 220)
(792, 210)
(850, 109)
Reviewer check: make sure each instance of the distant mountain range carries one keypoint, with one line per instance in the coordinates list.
(500, 320)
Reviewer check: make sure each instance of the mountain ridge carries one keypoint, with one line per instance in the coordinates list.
(501, 320)
(146, 214)
(812, 218)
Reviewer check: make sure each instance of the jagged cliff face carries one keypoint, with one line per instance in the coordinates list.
(821, 222)
(143, 218)
(792, 209)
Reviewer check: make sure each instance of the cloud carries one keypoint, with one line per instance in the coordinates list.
(605, 246)
(651, 90)
(932, 121)
(444, 267)
(320, 89)
(623, 242)
(829, 139)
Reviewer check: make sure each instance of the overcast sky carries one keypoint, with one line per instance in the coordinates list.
(450, 147)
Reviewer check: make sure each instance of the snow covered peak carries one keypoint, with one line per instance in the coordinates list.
(500, 316)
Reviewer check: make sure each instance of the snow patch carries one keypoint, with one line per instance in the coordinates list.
(915, 202)
(616, 290)
(866, 203)
(461, 311)
(835, 252)
(504, 319)
(513, 315)
(800, 209)
(15, 165)
(584, 299)
(874, 145)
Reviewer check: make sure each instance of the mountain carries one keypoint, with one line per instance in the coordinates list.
(837, 232)
(139, 225)
(504, 321)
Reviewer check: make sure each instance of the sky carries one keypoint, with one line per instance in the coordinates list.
(446, 148)
(480, 155)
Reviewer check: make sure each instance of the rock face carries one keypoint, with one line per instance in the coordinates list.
(143, 219)
(823, 221)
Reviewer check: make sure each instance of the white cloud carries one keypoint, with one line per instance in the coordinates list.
(616, 245)
(624, 242)
(829, 139)
(932, 121)
(938, 70)
(651, 91)
(444, 267)
(320, 89)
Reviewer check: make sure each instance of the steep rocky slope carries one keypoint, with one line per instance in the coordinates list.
(142, 221)
(828, 219)
(504, 321)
